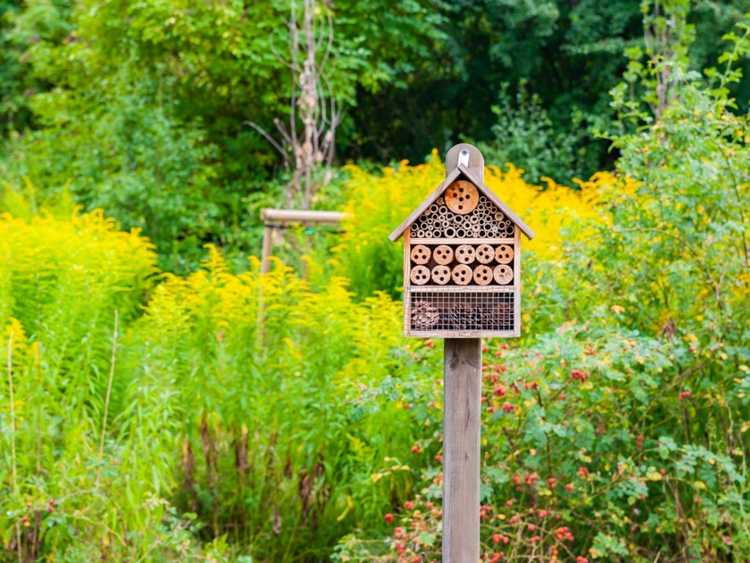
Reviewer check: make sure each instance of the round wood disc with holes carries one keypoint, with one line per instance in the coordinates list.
(465, 254)
(503, 274)
(504, 254)
(441, 275)
(482, 275)
(462, 274)
(485, 254)
(461, 197)
(443, 254)
(420, 275)
(420, 254)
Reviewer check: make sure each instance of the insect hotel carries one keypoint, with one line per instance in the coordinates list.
(462, 257)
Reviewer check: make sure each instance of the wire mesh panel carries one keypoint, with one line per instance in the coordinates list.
(469, 311)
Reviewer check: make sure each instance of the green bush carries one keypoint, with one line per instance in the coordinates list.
(525, 135)
(621, 434)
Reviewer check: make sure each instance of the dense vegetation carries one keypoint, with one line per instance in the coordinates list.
(149, 110)
(162, 399)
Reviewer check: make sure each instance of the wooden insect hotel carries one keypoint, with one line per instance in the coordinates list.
(462, 257)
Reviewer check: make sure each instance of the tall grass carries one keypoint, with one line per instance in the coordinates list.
(145, 421)
(62, 282)
(277, 448)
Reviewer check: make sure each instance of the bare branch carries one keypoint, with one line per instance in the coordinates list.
(274, 143)
(307, 142)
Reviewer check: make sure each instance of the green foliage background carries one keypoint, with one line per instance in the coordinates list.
(144, 108)
(161, 399)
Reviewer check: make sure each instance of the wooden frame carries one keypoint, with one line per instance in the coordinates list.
(448, 305)
(275, 219)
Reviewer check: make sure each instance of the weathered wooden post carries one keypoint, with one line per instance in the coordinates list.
(462, 282)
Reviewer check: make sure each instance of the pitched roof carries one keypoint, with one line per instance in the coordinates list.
(452, 176)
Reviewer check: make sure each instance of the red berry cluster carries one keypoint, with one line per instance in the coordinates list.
(579, 375)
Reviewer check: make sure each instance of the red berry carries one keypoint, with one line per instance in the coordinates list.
(579, 375)
(684, 395)
(409, 505)
(508, 407)
(388, 518)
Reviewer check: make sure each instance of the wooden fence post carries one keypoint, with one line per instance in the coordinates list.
(275, 219)
(461, 449)
(265, 263)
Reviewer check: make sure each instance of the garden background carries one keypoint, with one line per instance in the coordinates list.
(161, 399)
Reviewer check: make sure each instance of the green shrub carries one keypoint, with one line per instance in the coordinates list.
(620, 434)
(525, 136)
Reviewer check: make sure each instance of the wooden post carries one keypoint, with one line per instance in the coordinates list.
(265, 263)
(461, 455)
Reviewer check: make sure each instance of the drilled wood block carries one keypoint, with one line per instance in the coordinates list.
(462, 274)
(461, 197)
(504, 254)
(441, 275)
(482, 275)
(420, 275)
(443, 254)
(503, 274)
(485, 254)
(420, 254)
(465, 254)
